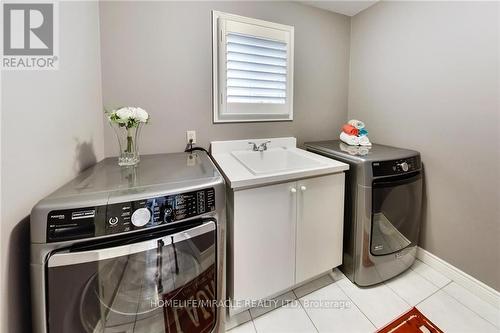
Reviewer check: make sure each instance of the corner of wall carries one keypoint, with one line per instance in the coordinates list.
(99, 55)
(348, 111)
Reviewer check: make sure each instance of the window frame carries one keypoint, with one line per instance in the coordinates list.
(219, 75)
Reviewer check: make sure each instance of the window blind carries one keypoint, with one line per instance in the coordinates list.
(256, 69)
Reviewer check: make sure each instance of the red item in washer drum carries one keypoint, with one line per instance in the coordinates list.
(349, 129)
(191, 308)
(412, 321)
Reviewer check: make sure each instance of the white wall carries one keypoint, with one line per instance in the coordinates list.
(51, 128)
(425, 75)
(158, 55)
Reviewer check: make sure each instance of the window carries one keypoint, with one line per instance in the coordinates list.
(252, 69)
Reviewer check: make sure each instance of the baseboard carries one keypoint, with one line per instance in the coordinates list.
(477, 287)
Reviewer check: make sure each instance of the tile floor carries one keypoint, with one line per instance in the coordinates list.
(333, 304)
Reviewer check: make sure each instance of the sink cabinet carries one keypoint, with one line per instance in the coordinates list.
(264, 241)
(284, 234)
(320, 221)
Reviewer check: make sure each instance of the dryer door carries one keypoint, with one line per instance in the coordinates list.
(396, 213)
(163, 282)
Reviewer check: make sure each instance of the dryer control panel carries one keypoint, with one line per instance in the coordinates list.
(396, 167)
(127, 216)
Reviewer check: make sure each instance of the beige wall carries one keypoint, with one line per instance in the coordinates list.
(158, 55)
(52, 126)
(426, 76)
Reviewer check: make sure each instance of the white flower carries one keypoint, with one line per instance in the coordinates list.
(141, 115)
(125, 113)
(128, 116)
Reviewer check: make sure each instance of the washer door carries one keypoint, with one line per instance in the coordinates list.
(396, 214)
(166, 283)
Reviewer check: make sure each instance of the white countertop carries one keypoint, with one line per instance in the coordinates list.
(240, 177)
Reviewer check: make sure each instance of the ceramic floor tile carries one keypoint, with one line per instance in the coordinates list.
(289, 318)
(332, 311)
(245, 328)
(430, 274)
(313, 286)
(272, 304)
(379, 303)
(474, 303)
(237, 319)
(451, 316)
(411, 287)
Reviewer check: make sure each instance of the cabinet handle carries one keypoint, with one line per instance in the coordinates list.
(303, 188)
(293, 190)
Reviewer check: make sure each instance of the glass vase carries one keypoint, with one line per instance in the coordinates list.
(128, 143)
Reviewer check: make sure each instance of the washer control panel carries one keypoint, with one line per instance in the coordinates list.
(395, 167)
(128, 216)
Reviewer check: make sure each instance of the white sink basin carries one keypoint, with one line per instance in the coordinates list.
(281, 162)
(274, 160)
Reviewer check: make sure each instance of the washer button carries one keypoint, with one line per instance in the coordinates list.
(113, 220)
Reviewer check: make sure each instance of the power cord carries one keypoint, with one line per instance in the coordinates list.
(190, 148)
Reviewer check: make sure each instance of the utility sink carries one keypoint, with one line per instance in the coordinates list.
(281, 162)
(274, 160)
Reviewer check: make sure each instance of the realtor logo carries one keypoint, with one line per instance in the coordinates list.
(29, 36)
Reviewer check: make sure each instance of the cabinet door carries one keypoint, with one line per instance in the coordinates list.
(319, 225)
(263, 241)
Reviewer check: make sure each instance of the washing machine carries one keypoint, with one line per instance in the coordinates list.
(131, 249)
(383, 209)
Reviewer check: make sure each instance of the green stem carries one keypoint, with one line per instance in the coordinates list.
(129, 141)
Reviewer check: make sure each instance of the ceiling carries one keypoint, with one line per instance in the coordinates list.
(349, 8)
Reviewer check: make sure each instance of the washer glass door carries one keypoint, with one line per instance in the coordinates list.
(166, 283)
(396, 213)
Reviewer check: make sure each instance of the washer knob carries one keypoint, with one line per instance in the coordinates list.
(403, 166)
(141, 217)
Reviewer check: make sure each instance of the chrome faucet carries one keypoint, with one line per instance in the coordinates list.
(261, 147)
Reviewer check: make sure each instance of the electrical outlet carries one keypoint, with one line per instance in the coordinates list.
(191, 135)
